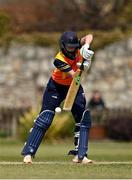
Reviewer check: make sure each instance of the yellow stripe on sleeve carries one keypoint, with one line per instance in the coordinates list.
(60, 56)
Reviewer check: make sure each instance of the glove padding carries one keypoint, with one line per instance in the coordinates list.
(86, 64)
(86, 53)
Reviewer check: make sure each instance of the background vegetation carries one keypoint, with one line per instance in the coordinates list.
(38, 22)
(59, 15)
(61, 128)
(116, 122)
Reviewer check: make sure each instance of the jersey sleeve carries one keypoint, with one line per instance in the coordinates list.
(62, 66)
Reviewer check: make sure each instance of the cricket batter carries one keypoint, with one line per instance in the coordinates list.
(66, 62)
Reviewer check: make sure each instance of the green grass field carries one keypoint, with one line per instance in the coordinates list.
(112, 160)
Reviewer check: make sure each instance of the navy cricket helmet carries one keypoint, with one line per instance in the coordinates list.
(69, 43)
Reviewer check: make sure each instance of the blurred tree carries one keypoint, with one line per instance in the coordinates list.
(119, 4)
(60, 15)
(101, 14)
(4, 23)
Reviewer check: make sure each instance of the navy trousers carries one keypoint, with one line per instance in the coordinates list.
(55, 93)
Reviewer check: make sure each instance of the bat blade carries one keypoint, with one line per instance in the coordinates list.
(72, 92)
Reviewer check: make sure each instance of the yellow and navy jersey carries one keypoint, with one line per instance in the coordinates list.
(62, 66)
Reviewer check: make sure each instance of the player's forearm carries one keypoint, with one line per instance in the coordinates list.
(87, 39)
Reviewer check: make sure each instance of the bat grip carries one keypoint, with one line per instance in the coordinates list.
(82, 66)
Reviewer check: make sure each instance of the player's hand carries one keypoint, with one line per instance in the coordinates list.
(86, 53)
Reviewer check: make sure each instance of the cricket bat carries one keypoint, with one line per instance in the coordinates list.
(73, 89)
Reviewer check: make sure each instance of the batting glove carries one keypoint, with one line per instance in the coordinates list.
(86, 64)
(86, 53)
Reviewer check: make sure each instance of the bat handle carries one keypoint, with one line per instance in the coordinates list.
(82, 66)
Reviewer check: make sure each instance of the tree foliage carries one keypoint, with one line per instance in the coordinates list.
(4, 23)
(60, 15)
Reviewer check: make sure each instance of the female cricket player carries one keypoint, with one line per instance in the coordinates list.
(72, 52)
